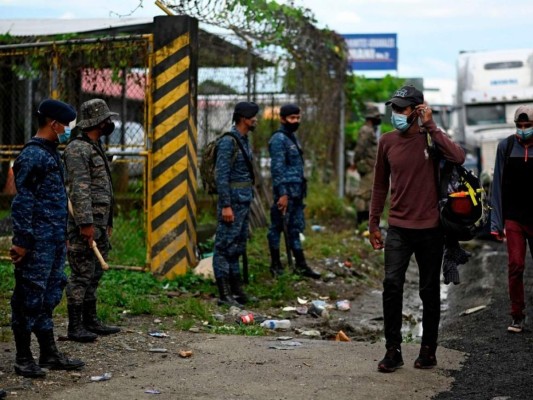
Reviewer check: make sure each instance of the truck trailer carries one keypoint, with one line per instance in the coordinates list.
(490, 86)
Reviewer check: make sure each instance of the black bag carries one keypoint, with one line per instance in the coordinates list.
(463, 204)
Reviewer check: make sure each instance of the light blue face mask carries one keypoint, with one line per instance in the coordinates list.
(525, 134)
(65, 136)
(399, 121)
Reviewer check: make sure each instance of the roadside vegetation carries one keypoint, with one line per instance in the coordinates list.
(190, 300)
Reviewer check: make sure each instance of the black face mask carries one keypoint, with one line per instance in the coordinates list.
(108, 128)
(291, 127)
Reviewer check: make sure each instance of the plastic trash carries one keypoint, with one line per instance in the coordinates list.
(105, 377)
(152, 391)
(341, 337)
(276, 324)
(158, 334)
(185, 353)
(343, 305)
(247, 319)
(157, 350)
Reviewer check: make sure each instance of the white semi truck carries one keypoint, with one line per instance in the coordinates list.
(490, 86)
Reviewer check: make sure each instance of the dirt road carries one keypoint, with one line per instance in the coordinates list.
(477, 358)
(233, 367)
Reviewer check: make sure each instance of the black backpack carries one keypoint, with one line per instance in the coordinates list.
(463, 204)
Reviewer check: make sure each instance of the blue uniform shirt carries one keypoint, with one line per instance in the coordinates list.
(286, 168)
(39, 210)
(233, 177)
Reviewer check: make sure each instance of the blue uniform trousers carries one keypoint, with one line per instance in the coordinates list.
(230, 241)
(39, 282)
(295, 224)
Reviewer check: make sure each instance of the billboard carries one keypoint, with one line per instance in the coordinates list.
(372, 51)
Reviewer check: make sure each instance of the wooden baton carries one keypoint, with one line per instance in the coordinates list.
(103, 264)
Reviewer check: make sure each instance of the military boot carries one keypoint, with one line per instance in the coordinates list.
(24, 363)
(50, 356)
(276, 268)
(224, 290)
(76, 330)
(91, 322)
(235, 283)
(301, 266)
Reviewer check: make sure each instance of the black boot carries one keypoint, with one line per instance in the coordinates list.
(50, 356)
(76, 330)
(276, 268)
(91, 322)
(24, 363)
(301, 266)
(235, 283)
(224, 291)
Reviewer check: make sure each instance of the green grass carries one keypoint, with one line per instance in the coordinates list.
(185, 301)
(128, 240)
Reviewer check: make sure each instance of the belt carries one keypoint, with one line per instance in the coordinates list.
(240, 185)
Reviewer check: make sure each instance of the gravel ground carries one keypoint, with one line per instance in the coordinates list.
(499, 364)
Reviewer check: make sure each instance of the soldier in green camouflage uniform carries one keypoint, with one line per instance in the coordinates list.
(365, 158)
(91, 218)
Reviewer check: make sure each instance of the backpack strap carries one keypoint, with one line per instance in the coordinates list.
(508, 148)
(54, 156)
(245, 155)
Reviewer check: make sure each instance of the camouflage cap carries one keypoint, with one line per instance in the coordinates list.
(93, 112)
(524, 114)
(372, 111)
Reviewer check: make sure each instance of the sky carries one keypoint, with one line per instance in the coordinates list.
(430, 33)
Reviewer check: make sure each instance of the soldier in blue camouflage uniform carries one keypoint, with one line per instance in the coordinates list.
(39, 213)
(91, 218)
(234, 181)
(290, 189)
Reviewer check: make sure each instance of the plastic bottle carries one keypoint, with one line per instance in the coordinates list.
(276, 324)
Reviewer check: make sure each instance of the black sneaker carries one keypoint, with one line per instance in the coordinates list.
(426, 358)
(392, 360)
(517, 326)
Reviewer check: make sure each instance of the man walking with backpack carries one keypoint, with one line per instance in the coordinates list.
(234, 182)
(290, 188)
(404, 165)
(511, 199)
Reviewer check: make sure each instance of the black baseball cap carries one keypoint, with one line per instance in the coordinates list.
(406, 96)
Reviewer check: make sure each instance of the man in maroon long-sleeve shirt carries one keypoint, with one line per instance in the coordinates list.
(404, 165)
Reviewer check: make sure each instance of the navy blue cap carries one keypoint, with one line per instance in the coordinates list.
(57, 110)
(289, 109)
(246, 109)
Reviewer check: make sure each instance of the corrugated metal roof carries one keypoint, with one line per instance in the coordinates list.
(46, 27)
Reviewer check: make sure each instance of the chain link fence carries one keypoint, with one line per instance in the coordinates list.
(75, 71)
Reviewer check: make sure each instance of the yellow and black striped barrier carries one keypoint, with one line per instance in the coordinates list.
(173, 155)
